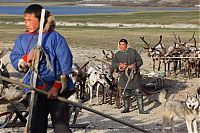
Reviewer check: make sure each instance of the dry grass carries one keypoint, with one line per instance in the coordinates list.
(107, 38)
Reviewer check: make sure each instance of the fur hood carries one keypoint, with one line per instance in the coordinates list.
(50, 23)
(120, 49)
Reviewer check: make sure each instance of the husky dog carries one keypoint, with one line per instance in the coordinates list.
(187, 110)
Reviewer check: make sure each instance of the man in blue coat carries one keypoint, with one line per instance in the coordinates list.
(55, 62)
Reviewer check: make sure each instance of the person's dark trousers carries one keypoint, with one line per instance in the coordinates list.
(118, 97)
(126, 105)
(59, 112)
(141, 104)
(126, 98)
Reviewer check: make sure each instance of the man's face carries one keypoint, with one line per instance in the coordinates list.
(31, 22)
(122, 46)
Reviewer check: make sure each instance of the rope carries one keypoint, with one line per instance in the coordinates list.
(47, 60)
(131, 75)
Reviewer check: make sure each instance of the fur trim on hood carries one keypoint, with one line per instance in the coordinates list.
(50, 23)
(120, 49)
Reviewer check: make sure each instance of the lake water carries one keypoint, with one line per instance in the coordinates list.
(65, 10)
(70, 10)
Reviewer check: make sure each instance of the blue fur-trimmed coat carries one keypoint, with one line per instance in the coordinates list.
(56, 48)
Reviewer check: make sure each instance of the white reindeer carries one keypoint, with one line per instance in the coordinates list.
(95, 77)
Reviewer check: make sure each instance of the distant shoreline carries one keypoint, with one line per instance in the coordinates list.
(119, 25)
(95, 5)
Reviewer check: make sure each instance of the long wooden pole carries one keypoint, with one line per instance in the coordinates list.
(73, 103)
(175, 57)
(34, 76)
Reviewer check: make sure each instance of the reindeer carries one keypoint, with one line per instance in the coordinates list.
(175, 50)
(118, 90)
(178, 49)
(192, 51)
(78, 77)
(155, 52)
(8, 92)
(105, 68)
(74, 109)
(4, 51)
(108, 56)
(113, 81)
(96, 78)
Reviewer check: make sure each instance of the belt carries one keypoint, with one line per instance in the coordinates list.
(57, 85)
(42, 87)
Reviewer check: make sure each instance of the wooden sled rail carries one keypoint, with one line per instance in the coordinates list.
(73, 103)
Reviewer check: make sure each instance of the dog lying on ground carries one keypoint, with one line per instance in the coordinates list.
(187, 110)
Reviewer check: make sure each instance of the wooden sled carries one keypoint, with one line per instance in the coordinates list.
(16, 113)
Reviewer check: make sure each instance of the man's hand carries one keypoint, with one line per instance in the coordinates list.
(53, 93)
(122, 66)
(63, 80)
(23, 66)
(132, 66)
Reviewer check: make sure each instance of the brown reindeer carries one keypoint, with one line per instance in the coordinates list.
(78, 75)
(193, 51)
(113, 81)
(157, 51)
(184, 49)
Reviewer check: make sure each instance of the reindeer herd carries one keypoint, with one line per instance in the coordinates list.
(97, 79)
(185, 56)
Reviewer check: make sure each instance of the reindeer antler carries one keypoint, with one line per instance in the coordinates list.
(83, 66)
(193, 37)
(104, 52)
(148, 45)
(175, 36)
(177, 39)
(159, 42)
(106, 55)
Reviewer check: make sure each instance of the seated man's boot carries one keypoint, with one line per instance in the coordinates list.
(141, 105)
(126, 105)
